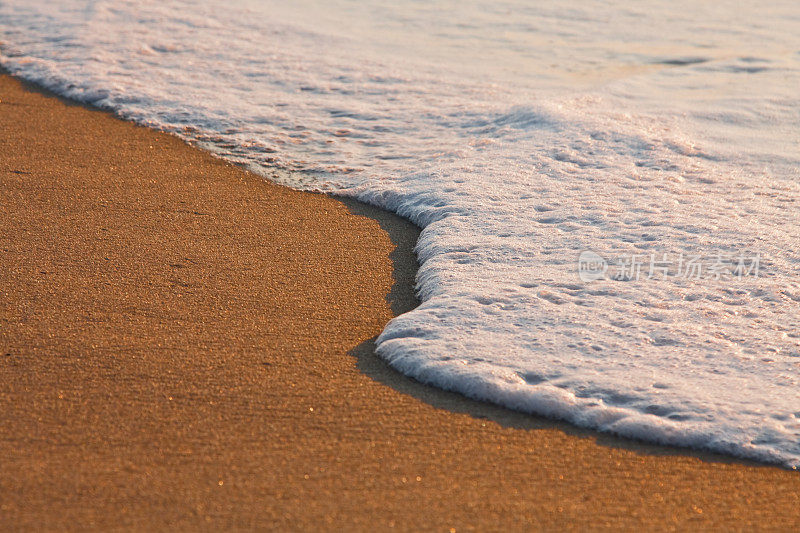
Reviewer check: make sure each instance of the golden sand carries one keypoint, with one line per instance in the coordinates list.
(184, 345)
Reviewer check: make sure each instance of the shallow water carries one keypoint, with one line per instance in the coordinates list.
(659, 143)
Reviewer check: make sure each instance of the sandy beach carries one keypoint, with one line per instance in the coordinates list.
(187, 346)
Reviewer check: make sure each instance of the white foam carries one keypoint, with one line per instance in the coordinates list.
(517, 137)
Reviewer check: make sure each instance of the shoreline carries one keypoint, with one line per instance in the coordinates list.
(191, 346)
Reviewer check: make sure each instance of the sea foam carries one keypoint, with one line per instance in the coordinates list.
(659, 141)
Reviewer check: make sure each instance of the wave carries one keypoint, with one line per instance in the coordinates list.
(609, 238)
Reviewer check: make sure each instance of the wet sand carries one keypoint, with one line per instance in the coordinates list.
(184, 345)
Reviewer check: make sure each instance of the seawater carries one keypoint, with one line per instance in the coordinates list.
(608, 193)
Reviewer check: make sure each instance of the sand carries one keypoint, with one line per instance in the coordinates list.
(185, 345)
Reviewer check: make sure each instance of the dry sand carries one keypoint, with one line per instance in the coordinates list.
(187, 346)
